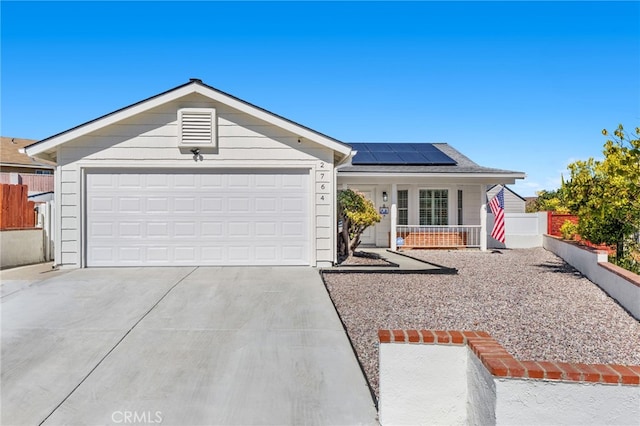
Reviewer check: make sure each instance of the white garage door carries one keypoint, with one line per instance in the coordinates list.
(181, 218)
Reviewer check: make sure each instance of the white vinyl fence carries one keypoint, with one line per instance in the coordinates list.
(523, 230)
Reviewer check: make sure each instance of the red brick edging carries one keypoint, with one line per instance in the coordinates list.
(501, 363)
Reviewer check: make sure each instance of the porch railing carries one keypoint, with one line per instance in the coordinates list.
(422, 236)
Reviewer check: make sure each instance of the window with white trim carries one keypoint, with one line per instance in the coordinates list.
(460, 199)
(434, 207)
(403, 207)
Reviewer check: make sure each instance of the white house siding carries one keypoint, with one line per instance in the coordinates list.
(470, 204)
(149, 140)
(512, 203)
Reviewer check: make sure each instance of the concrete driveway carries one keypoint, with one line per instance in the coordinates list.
(178, 346)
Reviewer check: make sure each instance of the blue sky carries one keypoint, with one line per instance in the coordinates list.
(524, 86)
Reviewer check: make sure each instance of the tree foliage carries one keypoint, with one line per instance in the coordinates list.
(605, 194)
(549, 201)
(357, 213)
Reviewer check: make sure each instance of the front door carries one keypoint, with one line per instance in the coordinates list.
(369, 234)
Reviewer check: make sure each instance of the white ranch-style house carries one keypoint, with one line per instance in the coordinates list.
(195, 176)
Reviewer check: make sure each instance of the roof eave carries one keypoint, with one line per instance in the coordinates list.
(514, 175)
(28, 165)
(51, 143)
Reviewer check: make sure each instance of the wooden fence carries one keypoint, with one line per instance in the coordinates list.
(16, 212)
(556, 220)
(36, 183)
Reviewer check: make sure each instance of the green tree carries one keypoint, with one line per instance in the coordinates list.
(606, 194)
(548, 201)
(357, 213)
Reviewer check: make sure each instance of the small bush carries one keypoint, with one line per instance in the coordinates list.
(630, 259)
(628, 263)
(569, 230)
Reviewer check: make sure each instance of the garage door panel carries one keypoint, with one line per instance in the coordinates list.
(157, 205)
(211, 253)
(103, 205)
(293, 229)
(238, 253)
(292, 253)
(211, 230)
(293, 205)
(184, 230)
(130, 230)
(267, 253)
(185, 181)
(157, 229)
(101, 229)
(266, 229)
(239, 181)
(157, 254)
(129, 182)
(211, 181)
(130, 254)
(269, 181)
(185, 205)
(211, 205)
(265, 205)
(168, 218)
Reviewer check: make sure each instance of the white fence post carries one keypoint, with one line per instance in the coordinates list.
(394, 217)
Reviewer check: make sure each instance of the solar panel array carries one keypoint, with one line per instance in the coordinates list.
(413, 154)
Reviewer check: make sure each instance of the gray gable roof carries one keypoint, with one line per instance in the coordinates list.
(464, 165)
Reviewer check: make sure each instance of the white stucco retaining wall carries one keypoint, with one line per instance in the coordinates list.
(21, 247)
(588, 262)
(422, 384)
(481, 394)
(539, 402)
(434, 383)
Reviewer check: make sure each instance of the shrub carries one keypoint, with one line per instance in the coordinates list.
(568, 230)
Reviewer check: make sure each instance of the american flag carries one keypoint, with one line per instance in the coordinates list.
(497, 208)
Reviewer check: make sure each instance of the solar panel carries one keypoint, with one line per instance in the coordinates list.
(386, 157)
(409, 156)
(404, 147)
(366, 157)
(414, 154)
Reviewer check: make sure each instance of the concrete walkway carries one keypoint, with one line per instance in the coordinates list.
(401, 263)
(178, 346)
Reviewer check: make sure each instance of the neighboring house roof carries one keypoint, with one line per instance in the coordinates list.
(47, 147)
(510, 190)
(10, 155)
(463, 166)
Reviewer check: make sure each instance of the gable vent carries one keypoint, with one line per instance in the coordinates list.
(197, 127)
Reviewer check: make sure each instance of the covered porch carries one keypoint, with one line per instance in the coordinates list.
(429, 195)
(424, 214)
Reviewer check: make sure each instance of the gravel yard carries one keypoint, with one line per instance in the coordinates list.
(529, 300)
(363, 258)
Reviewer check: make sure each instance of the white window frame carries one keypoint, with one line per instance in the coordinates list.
(403, 209)
(460, 210)
(433, 207)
